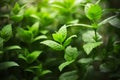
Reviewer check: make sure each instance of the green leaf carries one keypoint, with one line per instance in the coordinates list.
(93, 11)
(6, 32)
(63, 65)
(61, 35)
(85, 60)
(71, 75)
(6, 65)
(1, 43)
(89, 36)
(106, 20)
(22, 57)
(45, 72)
(68, 40)
(71, 53)
(17, 17)
(35, 28)
(88, 47)
(24, 35)
(1, 52)
(115, 22)
(13, 47)
(33, 56)
(16, 8)
(39, 38)
(52, 44)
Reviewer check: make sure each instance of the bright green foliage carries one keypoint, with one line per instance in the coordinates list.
(6, 32)
(13, 47)
(39, 38)
(93, 11)
(38, 34)
(61, 35)
(88, 47)
(17, 13)
(71, 53)
(6, 65)
(33, 56)
(52, 44)
(16, 8)
(35, 28)
(63, 65)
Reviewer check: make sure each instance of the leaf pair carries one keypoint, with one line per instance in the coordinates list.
(71, 53)
(29, 35)
(60, 39)
(30, 57)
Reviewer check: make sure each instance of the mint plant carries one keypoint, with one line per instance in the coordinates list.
(59, 40)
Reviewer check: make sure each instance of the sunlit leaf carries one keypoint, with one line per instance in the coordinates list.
(61, 35)
(35, 28)
(93, 11)
(13, 47)
(16, 8)
(40, 37)
(52, 44)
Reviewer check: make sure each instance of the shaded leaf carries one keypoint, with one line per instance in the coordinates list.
(1, 43)
(71, 75)
(106, 20)
(17, 17)
(63, 65)
(89, 36)
(115, 22)
(85, 60)
(22, 57)
(6, 65)
(71, 53)
(6, 32)
(88, 47)
(68, 40)
(33, 56)
(24, 35)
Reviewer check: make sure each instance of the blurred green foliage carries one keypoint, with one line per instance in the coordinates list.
(59, 40)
